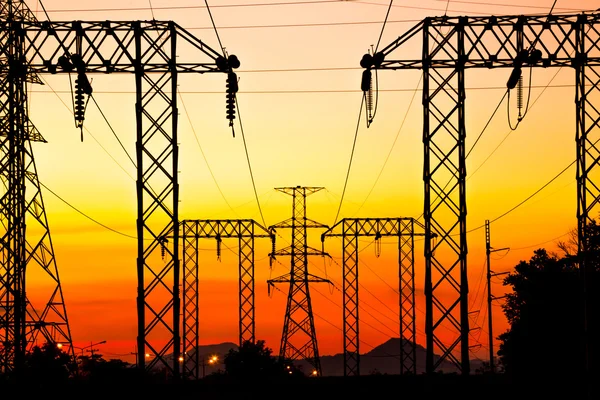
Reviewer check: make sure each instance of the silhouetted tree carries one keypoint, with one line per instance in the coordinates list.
(47, 365)
(96, 368)
(254, 360)
(545, 311)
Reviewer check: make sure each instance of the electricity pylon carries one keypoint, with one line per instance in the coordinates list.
(25, 234)
(245, 230)
(350, 229)
(450, 46)
(299, 338)
(154, 53)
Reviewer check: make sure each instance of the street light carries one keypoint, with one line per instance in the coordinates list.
(91, 347)
(211, 361)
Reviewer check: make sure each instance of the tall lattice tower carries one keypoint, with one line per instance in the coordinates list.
(299, 339)
(24, 320)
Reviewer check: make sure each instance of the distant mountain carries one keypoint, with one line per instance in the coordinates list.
(384, 359)
(205, 352)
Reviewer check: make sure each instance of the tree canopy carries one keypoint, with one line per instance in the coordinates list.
(255, 361)
(545, 313)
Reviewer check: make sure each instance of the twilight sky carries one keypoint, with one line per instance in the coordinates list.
(299, 100)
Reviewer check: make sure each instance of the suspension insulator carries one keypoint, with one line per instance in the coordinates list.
(233, 61)
(78, 63)
(232, 88)
(514, 78)
(65, 64)
(365, 83)
(520, 95)
(218, 247)
(79, 110)
(163, 249)
(535, 56)
(366, 61)
(369, 99)
(230, 98)
(232, 83)
(84, 83)
(378, 59)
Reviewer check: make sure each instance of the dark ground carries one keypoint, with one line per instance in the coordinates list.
(370, 387)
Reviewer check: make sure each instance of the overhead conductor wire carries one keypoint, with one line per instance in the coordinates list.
(241, 125)
(358, 126)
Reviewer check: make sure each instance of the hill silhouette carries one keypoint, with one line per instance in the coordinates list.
(384, 359)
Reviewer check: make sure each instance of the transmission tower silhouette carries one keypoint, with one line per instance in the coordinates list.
(23, 322)
(299, 339)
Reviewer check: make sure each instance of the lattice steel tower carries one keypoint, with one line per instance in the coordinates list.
(22, 321)
(154, 53)
(299, 339)
(449, 46)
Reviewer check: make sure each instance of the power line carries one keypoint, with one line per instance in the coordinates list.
(86, 129)
(307, 91)
(350, 161)
(212, 21)
(171, 8)
(85, 215)
(290, 3)
(332, 324)
(240, 119)
(528, 197)
(112, 130)
(336, 284)
(387, 14)
(202, 152)
(249, 164)
(539, 244)
(513, 5)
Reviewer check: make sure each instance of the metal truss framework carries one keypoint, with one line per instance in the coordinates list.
(450, 45)
(23, 321)
(299, 338)
(155, 52)
(351, 230)
(246, 230)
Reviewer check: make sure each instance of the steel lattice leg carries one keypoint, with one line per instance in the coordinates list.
(408, 348)
(158, 211)
(445, 210)
(350, 300)
(588, 181)
(191, 366)
(246, 283)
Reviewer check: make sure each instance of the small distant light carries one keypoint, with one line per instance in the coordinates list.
(314, 372)
(147, 355)
(59, 345)
(288, 367)
(180, 358)
(290, 372)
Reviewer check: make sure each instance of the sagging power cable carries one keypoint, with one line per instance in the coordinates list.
(227, 63)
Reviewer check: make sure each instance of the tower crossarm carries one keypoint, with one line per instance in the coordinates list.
(370, 227)
(227, 228)
(290, 251)
(491, 41)
(111, 46)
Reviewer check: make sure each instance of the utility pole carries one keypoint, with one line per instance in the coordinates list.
(299, 339)
(489, 250)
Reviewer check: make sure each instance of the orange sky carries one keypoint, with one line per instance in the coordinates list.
(299, 127)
